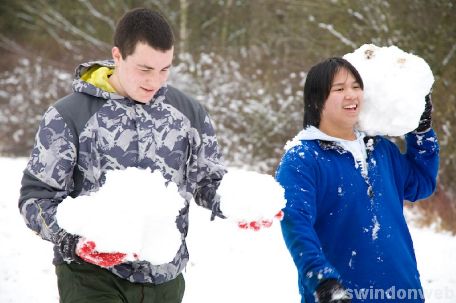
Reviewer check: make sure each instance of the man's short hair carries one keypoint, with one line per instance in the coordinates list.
(318, 86)
(143, 25)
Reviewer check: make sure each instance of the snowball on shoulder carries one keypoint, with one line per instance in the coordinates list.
(395, 84)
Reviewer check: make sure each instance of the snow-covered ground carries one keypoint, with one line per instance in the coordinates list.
(227, 264)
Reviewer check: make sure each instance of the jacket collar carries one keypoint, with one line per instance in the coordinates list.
(82, 86)
(327, 142)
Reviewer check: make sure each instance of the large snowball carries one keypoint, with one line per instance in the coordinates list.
(395, 84)
(134, 212)
(250, 196)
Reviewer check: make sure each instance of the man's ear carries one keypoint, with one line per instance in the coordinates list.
(116, 55)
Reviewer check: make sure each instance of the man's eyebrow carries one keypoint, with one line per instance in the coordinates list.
(150, 67)
(145, 66)
(343, 83)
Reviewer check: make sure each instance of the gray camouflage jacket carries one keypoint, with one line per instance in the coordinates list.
(91, 131)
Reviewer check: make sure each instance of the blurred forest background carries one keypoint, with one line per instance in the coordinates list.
(246, 61)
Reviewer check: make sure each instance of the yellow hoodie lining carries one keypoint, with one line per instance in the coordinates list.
(98, 76)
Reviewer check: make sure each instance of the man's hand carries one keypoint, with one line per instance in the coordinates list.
(86, 250)
(426, 118)
(331, 291)
(66, 244)
(257, 225)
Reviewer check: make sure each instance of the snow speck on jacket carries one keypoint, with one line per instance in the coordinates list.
(339, 223)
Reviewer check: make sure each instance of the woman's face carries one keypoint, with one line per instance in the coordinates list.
(341, 110)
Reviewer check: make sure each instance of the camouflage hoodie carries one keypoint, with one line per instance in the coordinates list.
(94, 130)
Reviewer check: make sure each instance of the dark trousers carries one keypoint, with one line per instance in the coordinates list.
(87, 283)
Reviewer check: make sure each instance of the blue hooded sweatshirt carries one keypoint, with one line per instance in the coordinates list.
(344, 213)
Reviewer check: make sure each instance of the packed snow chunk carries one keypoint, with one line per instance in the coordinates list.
(395, 86)
(248, 196)
(134, 212)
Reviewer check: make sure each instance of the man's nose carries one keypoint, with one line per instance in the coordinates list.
(350, 93)
(153, 81)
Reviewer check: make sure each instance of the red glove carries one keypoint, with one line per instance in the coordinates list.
(256, 225)
(86, 251)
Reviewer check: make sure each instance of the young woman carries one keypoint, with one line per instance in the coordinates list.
(343, 222)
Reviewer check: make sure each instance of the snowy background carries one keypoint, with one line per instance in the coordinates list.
(226, 263)
(245, 61)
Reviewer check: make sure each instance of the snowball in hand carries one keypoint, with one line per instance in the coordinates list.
(134, 212)
(395, 84)
(247, 196)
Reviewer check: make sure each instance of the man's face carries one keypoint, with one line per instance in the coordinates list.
(342, 107)
(141, 74)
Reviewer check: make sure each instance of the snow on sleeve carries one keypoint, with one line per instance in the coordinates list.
(247, 196)
(395, 84)
(134, 212)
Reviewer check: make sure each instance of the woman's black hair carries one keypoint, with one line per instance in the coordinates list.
(318, 86)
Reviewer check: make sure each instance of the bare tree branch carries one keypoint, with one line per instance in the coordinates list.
(449, 56)
(92, 10)
(337, 34)
(55, 21)
(76, 31)
(183, 25)
(11, 45)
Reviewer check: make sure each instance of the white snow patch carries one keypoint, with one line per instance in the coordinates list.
(375, 228)
(255, 197)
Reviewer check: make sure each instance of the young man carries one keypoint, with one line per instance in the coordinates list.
(343, 222)
(121, 114)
